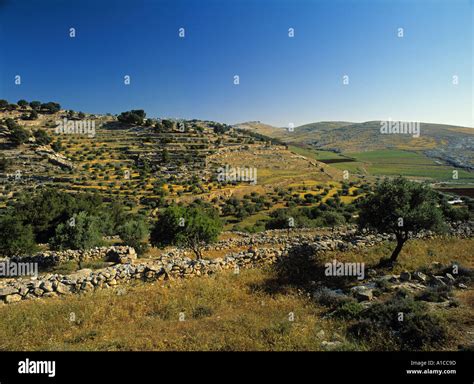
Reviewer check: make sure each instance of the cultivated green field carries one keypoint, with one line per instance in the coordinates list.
(316, 154)
(390, 162)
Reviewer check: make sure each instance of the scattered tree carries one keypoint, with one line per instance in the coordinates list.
(19, 135)
(134, 233)
(4, 163)
(191, 227)
(17, 239)
(135, 116)
(51, 107)
(400, 207)
(36, 105)
(42, 137)
(81, 231)
(22, 103)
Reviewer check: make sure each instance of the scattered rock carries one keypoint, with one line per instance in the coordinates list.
(331, 345)
(420, 276)
(438, 281)
(121, 255)
(62, 289)
(450, 277)
(12, 298)
(47, 286)
(362, 293)
(7, 291)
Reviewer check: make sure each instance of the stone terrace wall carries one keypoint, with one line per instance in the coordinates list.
(50, 258)
(172, 266)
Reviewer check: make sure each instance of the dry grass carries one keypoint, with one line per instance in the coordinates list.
(223, 312)
(415, 254)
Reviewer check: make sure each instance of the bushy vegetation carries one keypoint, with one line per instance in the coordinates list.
(192, 227)
(81, 231)
(18, 134)
(135, 116)
(332, 213)
(17, 238)
(42, 137)
(401, 323)
(4, 163)
(134, 233)
(242, 208)
(64, 220)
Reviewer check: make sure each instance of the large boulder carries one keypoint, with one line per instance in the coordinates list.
(80, 274)
(12, 298)
(362, 293)
(62, 289)
(7, 291)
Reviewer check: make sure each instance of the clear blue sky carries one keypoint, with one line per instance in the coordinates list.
(282, 80)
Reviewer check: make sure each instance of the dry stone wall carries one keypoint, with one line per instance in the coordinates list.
(172, 265)
(119, 254)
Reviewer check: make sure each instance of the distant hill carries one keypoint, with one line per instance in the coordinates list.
(452, 144)
(302, 134)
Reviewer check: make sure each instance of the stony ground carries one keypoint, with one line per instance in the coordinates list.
(224, 311)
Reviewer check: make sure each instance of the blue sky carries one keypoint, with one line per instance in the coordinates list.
(282, 80)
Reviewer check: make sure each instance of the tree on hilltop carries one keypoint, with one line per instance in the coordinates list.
(135, 116)
(36, 105)
(51, 107)
(22, 103)
(168, 125)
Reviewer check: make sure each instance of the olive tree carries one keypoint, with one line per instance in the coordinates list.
(402, 208)
(191, 227)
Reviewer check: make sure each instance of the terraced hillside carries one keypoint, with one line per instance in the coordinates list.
(143, 164)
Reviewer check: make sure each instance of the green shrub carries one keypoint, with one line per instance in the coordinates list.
(81, 231)
(383, 328)
(134, 233)
(349, 310)
(202, 311)
(16, 238)
(435, 294)
(330, 298)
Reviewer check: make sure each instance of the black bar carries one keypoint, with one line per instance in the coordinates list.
(355, 367)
